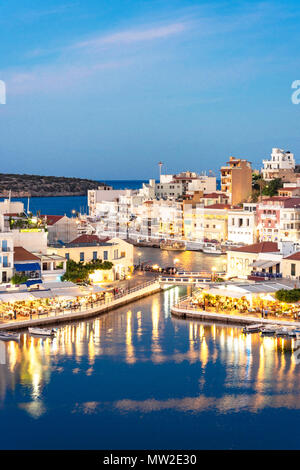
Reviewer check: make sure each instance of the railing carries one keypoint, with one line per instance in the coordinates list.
(183, 280)
(268, 275)
(90, 305)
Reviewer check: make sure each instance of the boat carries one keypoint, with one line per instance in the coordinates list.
(41, 331)
(9, 336)
(212, 249)
(283, 332)
(252, 328)
(172, 245)
(269, 330)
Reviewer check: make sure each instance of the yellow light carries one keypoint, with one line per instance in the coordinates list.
(155, 266)
(213, 268)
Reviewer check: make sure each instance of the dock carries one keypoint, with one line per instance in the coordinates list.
(99, 308)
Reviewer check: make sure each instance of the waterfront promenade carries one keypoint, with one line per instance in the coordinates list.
(85, 311)
(185, 309)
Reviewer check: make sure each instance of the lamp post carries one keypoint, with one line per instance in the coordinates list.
(213, 274)
(139, 255)
(176, 260)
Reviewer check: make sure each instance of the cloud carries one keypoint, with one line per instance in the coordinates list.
(132, 36)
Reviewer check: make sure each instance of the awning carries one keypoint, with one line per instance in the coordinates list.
(263, 264)
(71, 292)
(27, 267)
(31, 282)
(16, 297)
(43, 294)
(227, 293)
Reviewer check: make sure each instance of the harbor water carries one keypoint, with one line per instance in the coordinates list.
(138, 378)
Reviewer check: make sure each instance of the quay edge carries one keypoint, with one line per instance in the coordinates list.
(225, 318)
(92, 312)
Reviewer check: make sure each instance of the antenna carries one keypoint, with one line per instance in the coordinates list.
(160, 164)
(28, 205)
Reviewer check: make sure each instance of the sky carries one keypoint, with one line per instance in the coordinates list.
(105, 89)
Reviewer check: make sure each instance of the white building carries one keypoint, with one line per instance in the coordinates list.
(280, 162)
(242, 225)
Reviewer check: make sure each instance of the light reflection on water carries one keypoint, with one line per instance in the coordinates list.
(160, 382)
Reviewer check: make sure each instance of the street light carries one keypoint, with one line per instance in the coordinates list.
(139, 255)
(213, 273)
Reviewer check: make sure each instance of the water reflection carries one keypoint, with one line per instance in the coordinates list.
(227, 370)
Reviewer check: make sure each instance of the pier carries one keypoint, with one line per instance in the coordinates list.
(92, 310)
(183, 309)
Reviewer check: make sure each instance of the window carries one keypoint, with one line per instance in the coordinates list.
(123, 254)
(5, 261)
(67, 255)
(293, 269)
(81, 256)
(105, 255)
(95, 255)
(4, 245)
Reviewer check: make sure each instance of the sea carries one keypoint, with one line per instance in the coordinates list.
(64, 205)
(138, 378)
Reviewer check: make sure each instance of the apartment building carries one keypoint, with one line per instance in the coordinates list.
(242, 225)
(86, 248)
(278, 218)
(236, 180)
(215, 222)
(280, 165)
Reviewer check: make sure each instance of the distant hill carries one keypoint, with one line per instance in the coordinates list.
(37, 185)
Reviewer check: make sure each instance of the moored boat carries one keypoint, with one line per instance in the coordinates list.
(212, 249)
(252, 328)
(269, 330)
(9, 336)
(283, 332)
(172, 245)
(41, 331)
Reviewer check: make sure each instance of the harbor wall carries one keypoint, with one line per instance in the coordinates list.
(242, 320)
(81, 315)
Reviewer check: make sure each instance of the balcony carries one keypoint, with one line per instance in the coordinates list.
(268, 216)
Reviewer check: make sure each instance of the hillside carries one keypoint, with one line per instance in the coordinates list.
(36, 185)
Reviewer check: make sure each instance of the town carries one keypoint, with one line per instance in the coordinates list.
(52, 264)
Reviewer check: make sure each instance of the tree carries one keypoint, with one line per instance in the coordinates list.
(18, 279)
(271, 188)
(288, 296)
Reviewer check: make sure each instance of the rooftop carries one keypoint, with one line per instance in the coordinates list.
(20, 255)
(262, 247)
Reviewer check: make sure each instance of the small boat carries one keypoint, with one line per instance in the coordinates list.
(9, 336)
(283, 333)
(41, 331)
(172, 245)
(212, 249)
(252, 328)
(269, 330)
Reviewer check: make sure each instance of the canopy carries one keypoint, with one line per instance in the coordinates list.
(31, 282)
(68, 292)
(43, 294)
(16, 297)
(27, 267)
(227, 293)
(263, 263)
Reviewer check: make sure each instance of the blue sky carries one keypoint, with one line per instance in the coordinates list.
(108, 88)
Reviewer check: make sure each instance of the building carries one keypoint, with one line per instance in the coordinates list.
(236, 180)
(60, 228)
(280, 165)
(290, 266)
(27, 264)
(278, 218)
(87, 248)
(215, 222)
(242, 225)
(262, 257)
